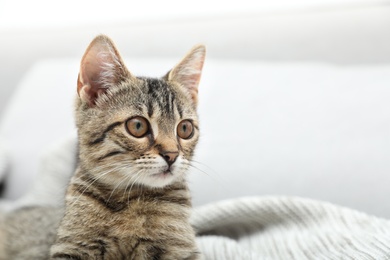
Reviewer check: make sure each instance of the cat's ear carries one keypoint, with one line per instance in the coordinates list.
(189, 70)
(101, 68)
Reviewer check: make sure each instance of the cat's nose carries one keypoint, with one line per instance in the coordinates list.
(169, 157)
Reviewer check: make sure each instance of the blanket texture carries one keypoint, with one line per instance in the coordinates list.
(288, 228)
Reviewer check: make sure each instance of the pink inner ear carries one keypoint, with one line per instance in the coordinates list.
(101, 68)
(189, 71)
(86, 88)
(191, 83)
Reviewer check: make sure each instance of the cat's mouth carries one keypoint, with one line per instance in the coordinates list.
(168, 172)
(164, 173)
(161, 177)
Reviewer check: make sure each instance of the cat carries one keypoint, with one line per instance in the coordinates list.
(128, 198)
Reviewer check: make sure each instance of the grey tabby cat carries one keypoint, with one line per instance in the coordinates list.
(128, 198)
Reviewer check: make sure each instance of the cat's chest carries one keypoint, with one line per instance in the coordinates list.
(140, 214)
(137, 218)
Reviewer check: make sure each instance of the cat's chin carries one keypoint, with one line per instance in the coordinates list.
(159, 180)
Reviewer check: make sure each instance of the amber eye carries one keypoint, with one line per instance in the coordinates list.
(137, 126)
(185, 129)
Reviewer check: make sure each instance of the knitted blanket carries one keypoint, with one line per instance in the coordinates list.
(288, 228)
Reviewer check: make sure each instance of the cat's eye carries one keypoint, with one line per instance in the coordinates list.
(185, 129)
(137, 126)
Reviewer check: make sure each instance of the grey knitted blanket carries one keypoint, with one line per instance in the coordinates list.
(288, 228)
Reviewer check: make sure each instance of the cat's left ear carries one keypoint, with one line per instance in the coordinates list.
(189, 70)
(101, 68)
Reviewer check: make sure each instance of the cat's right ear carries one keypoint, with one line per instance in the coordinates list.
(188, 71)
(101, 68)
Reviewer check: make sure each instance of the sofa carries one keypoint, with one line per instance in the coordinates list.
(292, 102)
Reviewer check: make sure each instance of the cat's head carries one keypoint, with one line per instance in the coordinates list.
(135, 130)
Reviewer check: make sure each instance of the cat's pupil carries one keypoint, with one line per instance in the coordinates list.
(138, 125)
(184, 128)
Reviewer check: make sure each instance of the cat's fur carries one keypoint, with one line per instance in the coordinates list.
(128, 198)
(27, 233)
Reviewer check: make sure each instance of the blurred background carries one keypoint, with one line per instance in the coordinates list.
(337, 31)
(310, 77)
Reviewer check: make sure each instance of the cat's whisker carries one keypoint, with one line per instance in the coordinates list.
(139, 176)
(133, 178)
(215, 176)
(85, 189)
(203, 164)
(101, 175)
(196, 168)
(108, 166)
(139, 173)
(119, 183)
(141, 187)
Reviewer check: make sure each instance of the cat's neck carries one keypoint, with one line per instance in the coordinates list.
(117, 197)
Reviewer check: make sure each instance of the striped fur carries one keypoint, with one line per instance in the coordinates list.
(126, 200)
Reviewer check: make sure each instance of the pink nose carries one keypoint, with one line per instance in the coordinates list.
(169, 157)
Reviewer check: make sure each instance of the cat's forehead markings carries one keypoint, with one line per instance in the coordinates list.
(150, 108)
(161, 97)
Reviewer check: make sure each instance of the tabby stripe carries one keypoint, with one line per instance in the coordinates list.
(103, 136)
(97, 244)
(110, 154)
(156, 252)
(134, 249)
(168, 104)
(122, 146)
(113, 206)
(87, 178)
(174, 195)
(66, 256)
(177, 200)
(160, 93)
(178, 187)
(179, 110)
(150, 109)
(153, 198)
